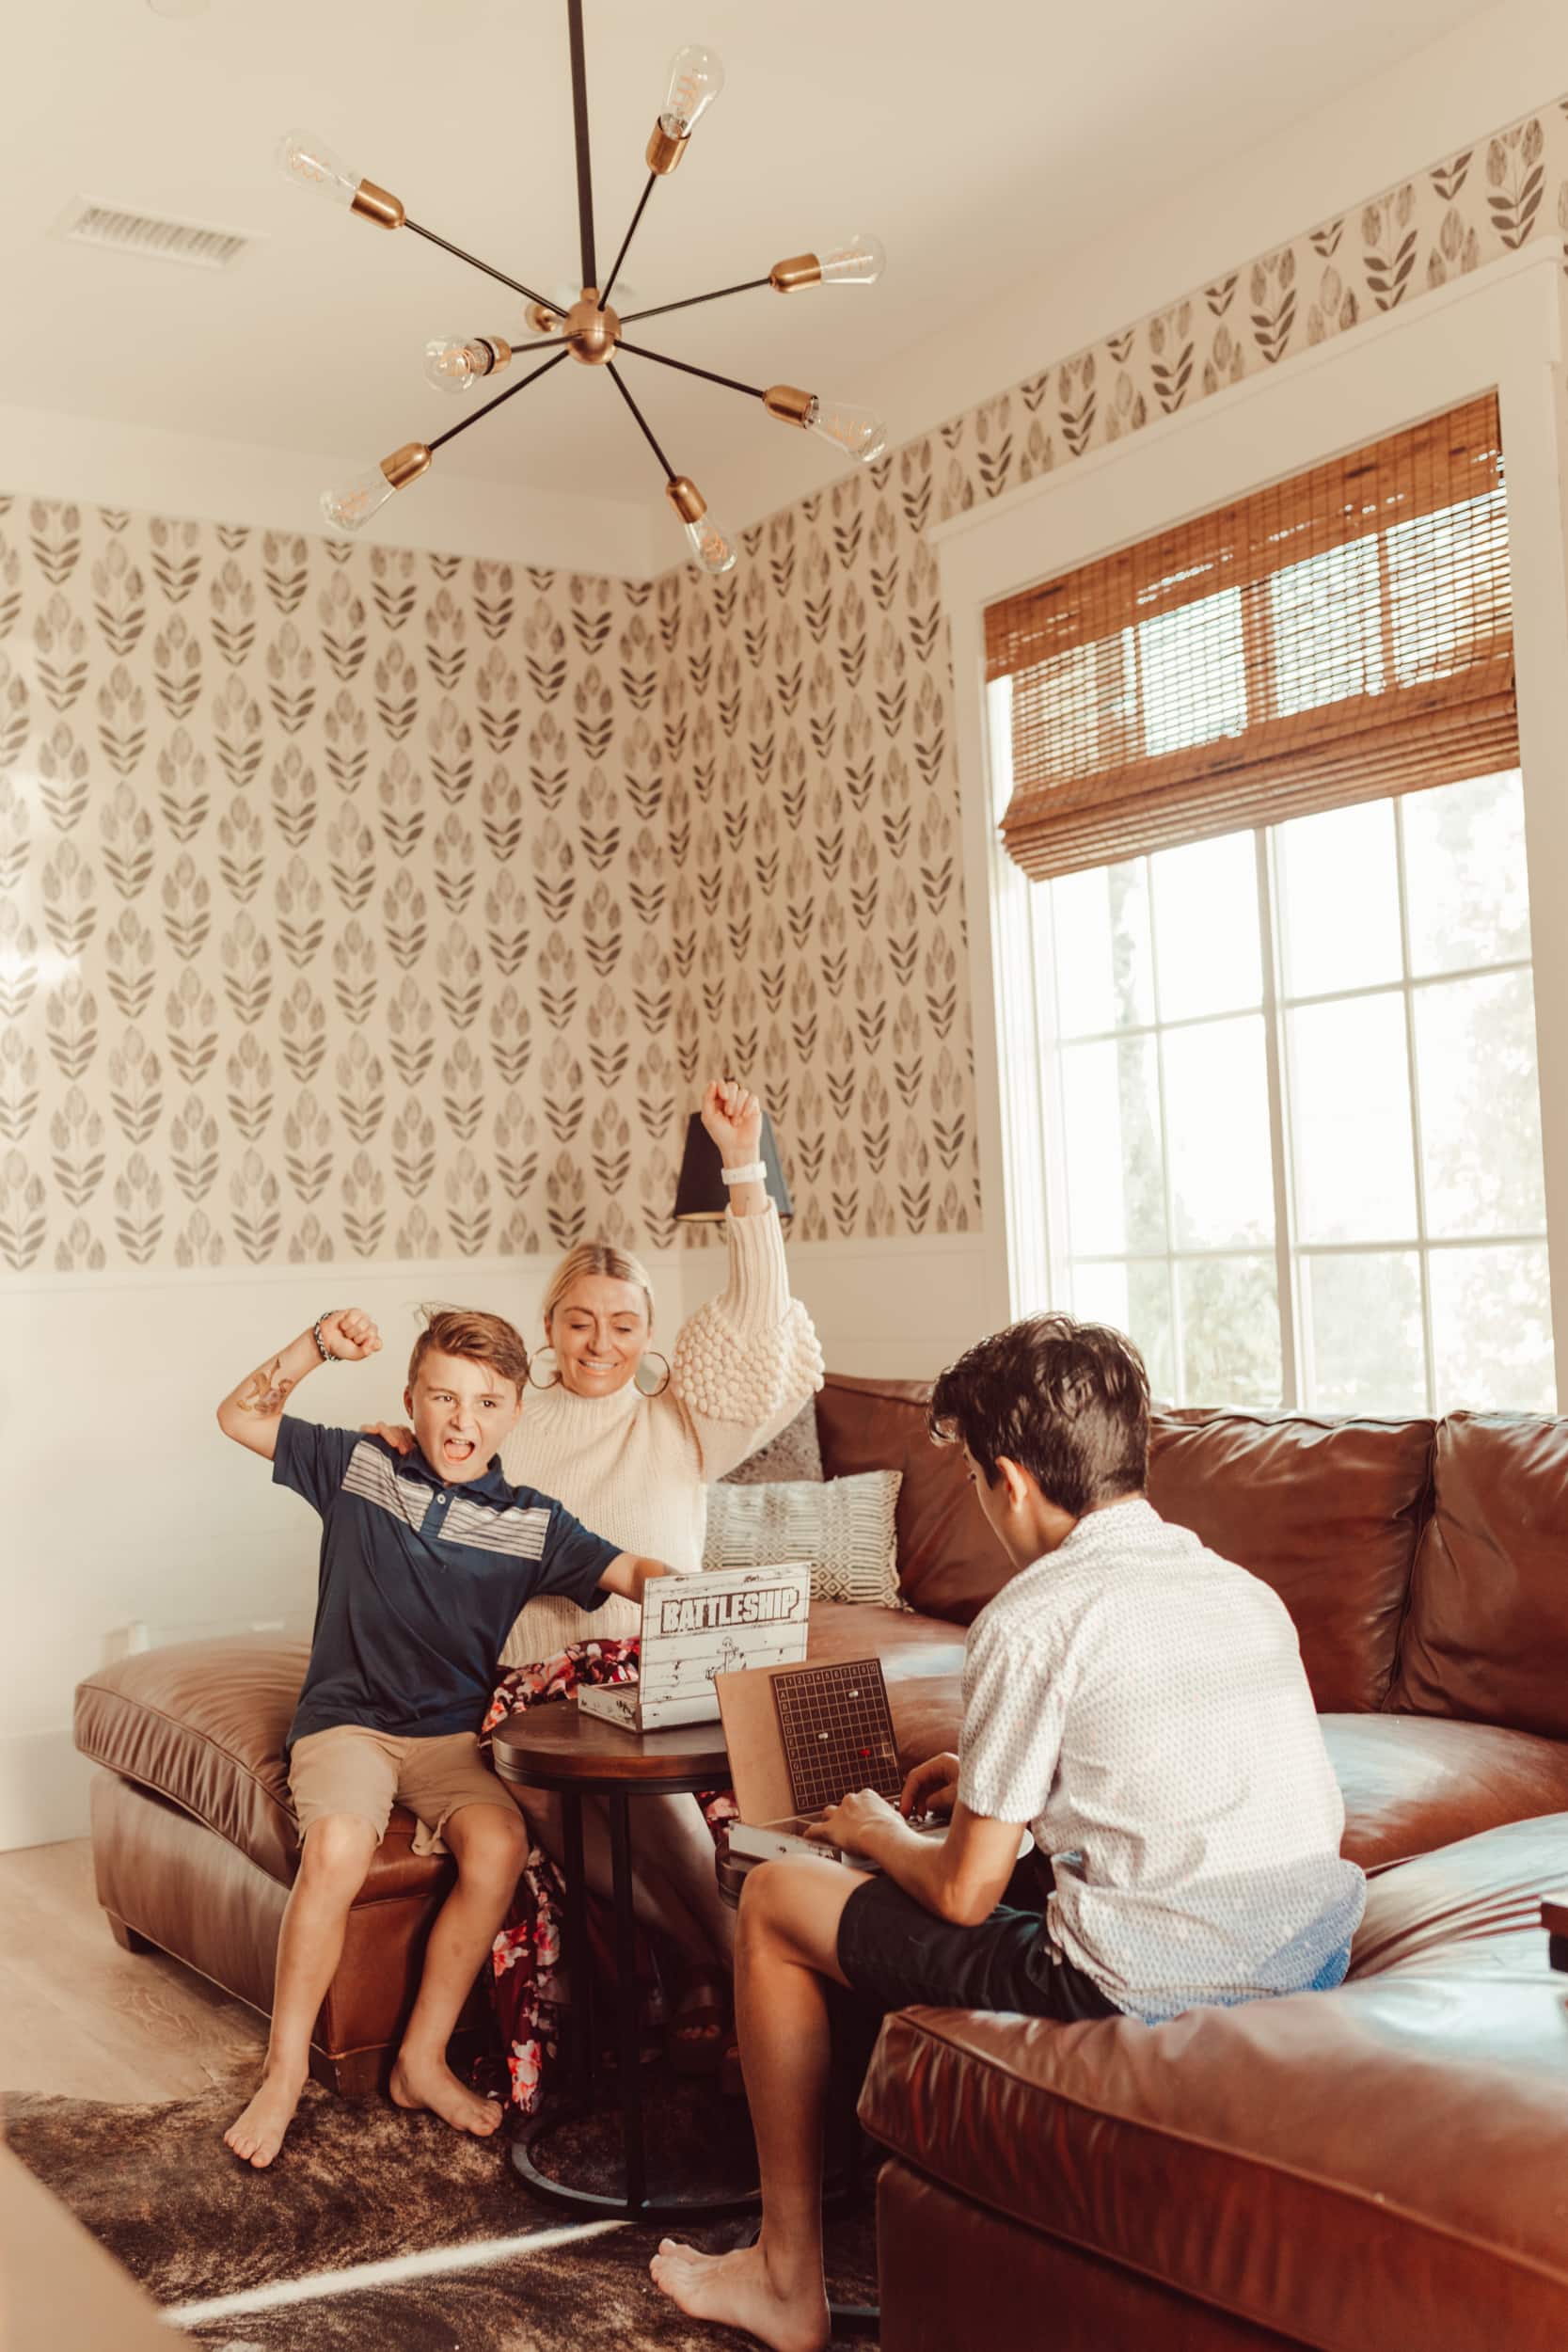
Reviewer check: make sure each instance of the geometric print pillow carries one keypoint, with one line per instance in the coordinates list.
(843, 1527)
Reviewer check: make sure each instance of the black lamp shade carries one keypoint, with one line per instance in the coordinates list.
(702, 1196)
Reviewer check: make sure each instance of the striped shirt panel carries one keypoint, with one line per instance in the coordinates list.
(371, 1476)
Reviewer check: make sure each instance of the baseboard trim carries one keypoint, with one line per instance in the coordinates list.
(44, 1789)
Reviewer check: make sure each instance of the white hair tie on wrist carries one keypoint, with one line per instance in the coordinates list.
(754, 1172)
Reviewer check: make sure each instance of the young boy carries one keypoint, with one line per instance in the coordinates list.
(425, 1561)
(1134, 1702)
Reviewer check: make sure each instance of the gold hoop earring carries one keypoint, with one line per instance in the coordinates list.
(554, 1380)
(637, 1375)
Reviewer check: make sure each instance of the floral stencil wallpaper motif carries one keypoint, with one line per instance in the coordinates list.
(362, 903)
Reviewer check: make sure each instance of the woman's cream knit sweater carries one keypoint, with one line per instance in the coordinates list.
(636, 1468)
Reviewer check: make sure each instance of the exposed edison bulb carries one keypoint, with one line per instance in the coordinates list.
(858, 432)
(455, 364)
(349, 507)
(860, 260)
(696, 78)
(310, 162)
(712, 544)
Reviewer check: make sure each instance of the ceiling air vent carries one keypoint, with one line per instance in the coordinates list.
(142, 232)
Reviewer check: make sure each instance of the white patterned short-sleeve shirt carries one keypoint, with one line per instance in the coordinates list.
(1140, 1703)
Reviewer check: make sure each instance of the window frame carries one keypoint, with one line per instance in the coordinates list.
(1504, 328)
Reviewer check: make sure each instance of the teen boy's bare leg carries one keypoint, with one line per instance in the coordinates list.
(786, 1947)
(332, 1866)
(490, 1846)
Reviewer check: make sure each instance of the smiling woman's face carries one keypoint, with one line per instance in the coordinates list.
(598, 1331)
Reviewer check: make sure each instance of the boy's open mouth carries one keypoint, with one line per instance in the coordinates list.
(457, 1449)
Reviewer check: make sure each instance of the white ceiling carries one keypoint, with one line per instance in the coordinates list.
(987, 144)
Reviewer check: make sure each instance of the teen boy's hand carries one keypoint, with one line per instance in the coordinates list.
(931, 1787)
(856, 1824)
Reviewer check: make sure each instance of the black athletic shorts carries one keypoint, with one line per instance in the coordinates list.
(896, 1953)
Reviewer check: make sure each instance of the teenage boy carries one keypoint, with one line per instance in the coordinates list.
(1134, 1703)
(425, 1561)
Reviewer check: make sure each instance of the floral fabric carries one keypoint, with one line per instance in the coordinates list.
(528, 1988)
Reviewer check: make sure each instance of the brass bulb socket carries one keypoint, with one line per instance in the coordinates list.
(789, 404)
(803, 269)
(590, 334)
(687, 500)
(542, 321)
(665, 152)
(373, 203)
(500, 352)
(407, 463)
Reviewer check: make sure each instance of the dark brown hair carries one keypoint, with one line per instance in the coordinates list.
(1066, 1400)
(487, 1340)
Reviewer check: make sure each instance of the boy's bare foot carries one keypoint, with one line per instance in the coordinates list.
(736, 2291)
(426, 2083)
(256, 2134)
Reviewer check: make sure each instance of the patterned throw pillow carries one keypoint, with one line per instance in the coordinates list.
(793, 1451)
(843, 1527)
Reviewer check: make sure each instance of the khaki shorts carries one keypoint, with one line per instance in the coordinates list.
(351, 1768)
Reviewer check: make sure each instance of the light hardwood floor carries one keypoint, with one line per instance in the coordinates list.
(82, 2018)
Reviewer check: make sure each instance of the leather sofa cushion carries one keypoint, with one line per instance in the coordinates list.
(1414, 2123)
(1326, 1511)
(1412, 1783)
(949, 1563)
(1485, 1637)
(204, 1724)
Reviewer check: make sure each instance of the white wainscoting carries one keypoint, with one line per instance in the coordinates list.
(125, 1502)
(900, 1308)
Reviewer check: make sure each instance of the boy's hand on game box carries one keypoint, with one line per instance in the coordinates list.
(349, 1334)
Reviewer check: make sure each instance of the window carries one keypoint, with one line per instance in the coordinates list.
(1289, 1108)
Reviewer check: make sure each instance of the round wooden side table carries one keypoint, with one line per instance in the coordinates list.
(576, 1755)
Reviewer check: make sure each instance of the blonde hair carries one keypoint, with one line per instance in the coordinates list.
(482, 1339)
(596, 1257)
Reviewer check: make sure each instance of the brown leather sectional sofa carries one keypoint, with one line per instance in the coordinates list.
(1381, 2166)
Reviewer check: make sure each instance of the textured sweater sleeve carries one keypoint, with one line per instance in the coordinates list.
(748, 1359)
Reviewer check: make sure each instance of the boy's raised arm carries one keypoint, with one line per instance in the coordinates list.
(251, 1412)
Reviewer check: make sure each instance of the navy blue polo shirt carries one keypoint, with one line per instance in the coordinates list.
(420, 1581)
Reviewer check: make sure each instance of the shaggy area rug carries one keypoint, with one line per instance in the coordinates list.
(438, 2216)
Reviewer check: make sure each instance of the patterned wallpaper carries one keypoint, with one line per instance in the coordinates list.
(361, 903)
(335, 915)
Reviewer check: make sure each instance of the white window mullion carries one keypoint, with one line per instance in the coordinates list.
(1273, 1049)
(1423, 1257)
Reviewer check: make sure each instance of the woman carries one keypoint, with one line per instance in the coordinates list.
(632, 1458)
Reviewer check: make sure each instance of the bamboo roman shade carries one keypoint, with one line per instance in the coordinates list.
(1336, 637)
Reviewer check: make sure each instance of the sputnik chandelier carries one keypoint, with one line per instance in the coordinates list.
(588, 330)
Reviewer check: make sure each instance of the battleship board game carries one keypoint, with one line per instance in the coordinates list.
(726, 1621)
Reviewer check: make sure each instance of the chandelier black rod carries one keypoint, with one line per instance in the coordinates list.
(755, 391)
(579, 127)
(626, 239)
(474, 262)
(619, 382)
(510, 393)
(748, 285)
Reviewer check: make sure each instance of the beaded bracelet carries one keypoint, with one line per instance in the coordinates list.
(321, 1349)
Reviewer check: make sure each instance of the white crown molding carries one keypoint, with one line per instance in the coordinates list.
(193, 477)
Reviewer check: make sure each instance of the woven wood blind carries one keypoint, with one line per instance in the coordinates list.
(1340, 636)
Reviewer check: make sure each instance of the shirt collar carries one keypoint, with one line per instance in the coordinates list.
(1107, 1528)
